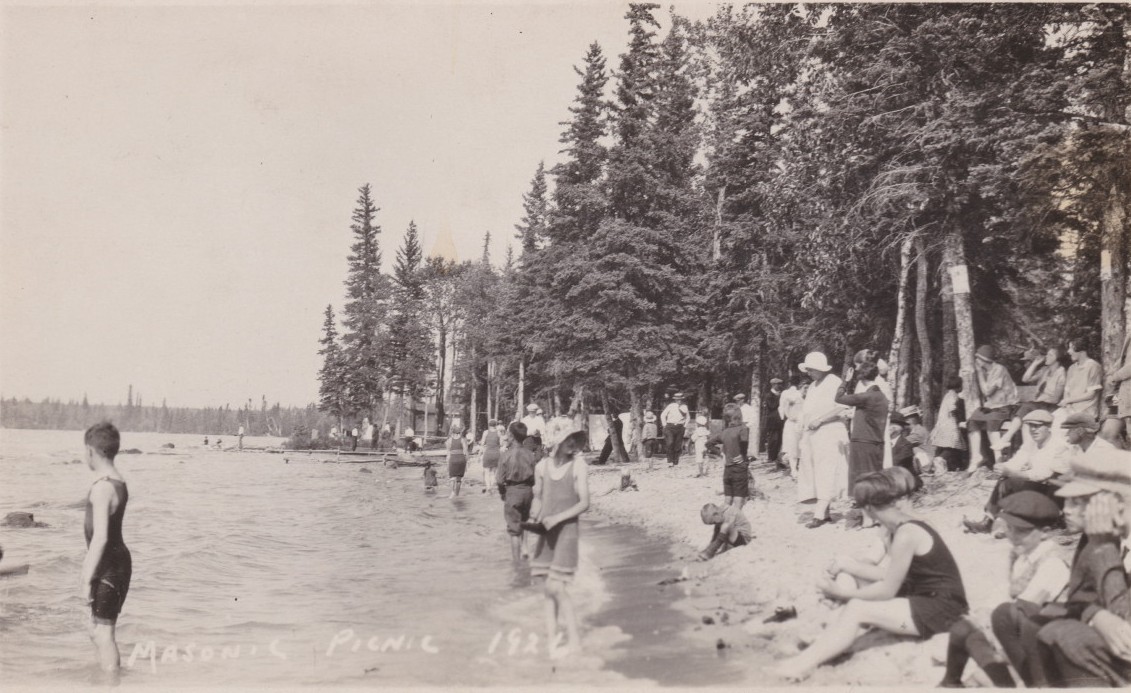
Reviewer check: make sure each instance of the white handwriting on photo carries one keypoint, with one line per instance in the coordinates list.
(511, 643)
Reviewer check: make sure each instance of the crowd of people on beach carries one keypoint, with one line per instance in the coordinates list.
(1061, 463)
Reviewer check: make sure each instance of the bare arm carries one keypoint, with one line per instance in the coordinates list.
(581, 483)
(536, 505)
(101, 496)
(907, 539)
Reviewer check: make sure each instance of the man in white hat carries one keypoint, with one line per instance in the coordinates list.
(749, 415)
(674, 417)
(823, 470)
(1033, 468)
(535, 426)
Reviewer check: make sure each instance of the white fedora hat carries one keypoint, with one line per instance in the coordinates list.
(817, 361)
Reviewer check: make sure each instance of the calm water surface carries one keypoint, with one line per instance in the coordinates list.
(253, 570)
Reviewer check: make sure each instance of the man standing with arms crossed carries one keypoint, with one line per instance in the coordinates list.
(674, 418)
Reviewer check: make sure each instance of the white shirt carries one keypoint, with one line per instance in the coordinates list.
(675, 413)
(1049, 573)
(820, 401)
(749, 415)
(789, 406)
(535, 425)
(1041, 463)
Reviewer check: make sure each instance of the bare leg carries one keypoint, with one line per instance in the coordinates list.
(738, 501)
(995, 442)
(1007, 435)
(569, 619)
(516, 547)
(551, 616)
(103, 636)
(892, 615)
(975, 439)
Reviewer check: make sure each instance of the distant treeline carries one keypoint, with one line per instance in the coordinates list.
(71, 415)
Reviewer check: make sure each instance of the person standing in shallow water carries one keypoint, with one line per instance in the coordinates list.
(561, 495)
(108, 566)
(457, 458)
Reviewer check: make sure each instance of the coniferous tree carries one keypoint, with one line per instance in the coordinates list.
(333, 392)
(410, 348)
(366, 310)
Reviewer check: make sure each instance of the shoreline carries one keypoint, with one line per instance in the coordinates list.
(737, 590)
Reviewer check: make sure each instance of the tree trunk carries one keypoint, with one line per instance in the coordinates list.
(756, 398)
(897, 357)
(473, 423)
(716, 239)
(703, 401)
(520, 403)
(620, 454)
(954, 259)
(926, 358)
(1113, 277)
(490, 380)
(949, 328)
(636, 421)
(441, 391)
(902, 384)
(559, 408)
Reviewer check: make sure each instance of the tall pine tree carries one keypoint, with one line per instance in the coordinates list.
(365, 310)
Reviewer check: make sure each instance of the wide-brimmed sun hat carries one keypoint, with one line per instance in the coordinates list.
(739, 397)
(1107, 470)
(532, 407)
(649, 417)
(816, 361)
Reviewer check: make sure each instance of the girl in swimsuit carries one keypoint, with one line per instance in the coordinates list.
(920, 593)
(561, 495)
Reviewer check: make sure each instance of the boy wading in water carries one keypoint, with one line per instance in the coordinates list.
(107, 568)
(561, 495)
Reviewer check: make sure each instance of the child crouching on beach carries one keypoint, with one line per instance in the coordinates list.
(731, 529)
(920, 593)
(561, 495)
(430, 482)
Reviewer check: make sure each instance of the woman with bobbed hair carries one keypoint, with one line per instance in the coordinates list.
(920, 594)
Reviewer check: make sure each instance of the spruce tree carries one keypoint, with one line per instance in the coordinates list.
(365, 310)
(333, 394)
(410, 349)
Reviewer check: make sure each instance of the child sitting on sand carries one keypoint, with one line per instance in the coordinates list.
(1037, 575)
(561, 495)
(731, 529)
(920, 593)
(430, 482)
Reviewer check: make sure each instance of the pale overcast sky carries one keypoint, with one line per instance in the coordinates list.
(176, 183)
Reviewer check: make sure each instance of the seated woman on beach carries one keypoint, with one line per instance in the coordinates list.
(561, 495)
(920, 593)
(873, 567)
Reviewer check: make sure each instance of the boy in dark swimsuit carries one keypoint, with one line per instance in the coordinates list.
(107, 568)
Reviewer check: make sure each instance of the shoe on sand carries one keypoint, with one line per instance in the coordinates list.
(817, 522)
(983, 526)
(781, 614)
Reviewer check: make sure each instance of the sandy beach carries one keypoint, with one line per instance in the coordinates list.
(733, 593)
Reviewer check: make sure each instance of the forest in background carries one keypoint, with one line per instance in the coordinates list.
(135, 417)
(912, 178)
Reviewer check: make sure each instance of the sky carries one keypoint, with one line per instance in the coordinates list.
(176, 182)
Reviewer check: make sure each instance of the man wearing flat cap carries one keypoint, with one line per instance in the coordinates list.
(1033, 468)
(1091, 645)
(748, 418)
(999, 397)
(674, 418)
(1082, 432)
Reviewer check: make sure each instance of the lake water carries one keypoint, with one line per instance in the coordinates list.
(265, 569)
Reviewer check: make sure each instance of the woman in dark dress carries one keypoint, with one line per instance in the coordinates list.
(920, 595)
(866, 439)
